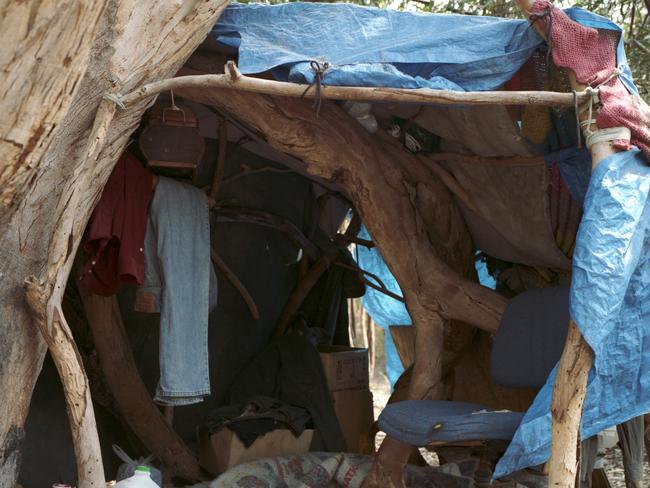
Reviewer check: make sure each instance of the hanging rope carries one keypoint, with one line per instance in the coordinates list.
(319, 73)
(602, 135)
(576, 110)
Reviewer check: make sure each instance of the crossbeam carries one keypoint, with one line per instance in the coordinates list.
(234, 80)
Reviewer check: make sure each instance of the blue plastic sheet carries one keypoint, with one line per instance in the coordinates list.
(610, 303)
(366, 46)
(373, 47)
(386, 311)
(575, 168)
(383, 310)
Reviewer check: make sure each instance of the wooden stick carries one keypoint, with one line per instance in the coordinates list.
(44, 296)
(568, 397)
(300, 292)
(267, 219)
(236, 282)
(236, 81)
(380, 287)
(221, 159)
(362, 271)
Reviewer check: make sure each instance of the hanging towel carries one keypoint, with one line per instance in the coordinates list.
(180, 284)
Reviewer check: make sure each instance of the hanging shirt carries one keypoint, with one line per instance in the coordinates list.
(115, 234)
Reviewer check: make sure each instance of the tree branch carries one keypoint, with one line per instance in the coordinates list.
(266, 219)
(236, 81)
(236, 282)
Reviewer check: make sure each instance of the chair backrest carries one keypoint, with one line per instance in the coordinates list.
(531, 337)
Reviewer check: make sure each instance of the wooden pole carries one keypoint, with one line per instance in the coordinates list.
(234, 80)
(44, 296)
(300, 292)
(577, 358)
(221, 159)
(568, 398)
(236, 283)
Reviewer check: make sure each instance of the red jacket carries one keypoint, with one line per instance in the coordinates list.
(115, 234)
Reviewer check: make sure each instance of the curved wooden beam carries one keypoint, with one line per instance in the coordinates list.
(132, 399)
(79, 405)
(236, 283)
(417, 220)
(267, 219)
(300, 292)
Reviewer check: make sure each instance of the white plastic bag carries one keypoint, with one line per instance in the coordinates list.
(127, 469)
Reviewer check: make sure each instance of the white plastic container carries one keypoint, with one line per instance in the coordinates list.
(140, 479)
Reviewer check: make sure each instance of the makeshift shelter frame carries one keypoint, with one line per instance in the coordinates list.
(44, 293)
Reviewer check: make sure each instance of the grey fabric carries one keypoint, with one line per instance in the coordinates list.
(630, 435)
(178, 273)
(260, 414)
(420, 422)
(589, 452)
(531, 337)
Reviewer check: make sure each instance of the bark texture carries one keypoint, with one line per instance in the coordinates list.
(45, 54)
(568, 398)
(59, 143)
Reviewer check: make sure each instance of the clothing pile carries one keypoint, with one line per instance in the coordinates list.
(260, 415)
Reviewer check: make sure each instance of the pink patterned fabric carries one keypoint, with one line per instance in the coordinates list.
(591, 55)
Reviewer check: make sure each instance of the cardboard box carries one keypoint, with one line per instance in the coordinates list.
(223, 449)
(355, 413)
(346, 368)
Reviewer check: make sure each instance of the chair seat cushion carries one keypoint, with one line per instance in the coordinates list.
(421, 422)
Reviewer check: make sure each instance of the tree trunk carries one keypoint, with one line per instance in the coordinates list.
(58, 146)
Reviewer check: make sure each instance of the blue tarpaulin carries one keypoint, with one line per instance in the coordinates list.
(610, 303)
(373, 47)
(610, 296)
(367, 46)
(384, 310)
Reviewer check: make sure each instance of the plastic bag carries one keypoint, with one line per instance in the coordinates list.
(127, 469)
